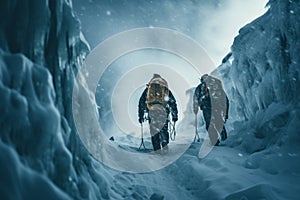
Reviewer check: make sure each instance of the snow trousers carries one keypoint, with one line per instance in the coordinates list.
(214, 124)
(160, 139)
(158, 122)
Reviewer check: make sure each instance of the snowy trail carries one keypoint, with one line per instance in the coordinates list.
(224, 174)
(187, 178)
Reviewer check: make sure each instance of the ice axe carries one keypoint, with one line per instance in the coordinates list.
(196, 132)
(173, 131)
(142, 138)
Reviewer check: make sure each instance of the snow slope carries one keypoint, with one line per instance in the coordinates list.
(42, 156)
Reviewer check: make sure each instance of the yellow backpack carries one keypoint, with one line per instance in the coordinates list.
(158, 92)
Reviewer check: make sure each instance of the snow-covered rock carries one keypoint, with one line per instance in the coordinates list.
(262, 79)
(41, 49)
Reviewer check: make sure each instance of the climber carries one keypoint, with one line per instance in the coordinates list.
(212, 100)
(158, 101)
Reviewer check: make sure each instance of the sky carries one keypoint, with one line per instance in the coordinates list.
(213, 24)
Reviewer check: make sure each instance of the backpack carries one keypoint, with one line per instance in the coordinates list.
(158, 92)
(216, 92)
(214, 87)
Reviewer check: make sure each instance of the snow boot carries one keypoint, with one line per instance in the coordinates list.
(155, 142)
(223, 134)
(165, 148)
(218, 142)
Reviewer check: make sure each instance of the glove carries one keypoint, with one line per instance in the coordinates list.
(174, 119)
(141, 120)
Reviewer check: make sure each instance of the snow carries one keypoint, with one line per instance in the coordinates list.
(42, 156)
(20, 182)
(218, 176)
(37, 71)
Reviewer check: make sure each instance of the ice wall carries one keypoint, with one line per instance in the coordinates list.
(262, 77)
(41, 48)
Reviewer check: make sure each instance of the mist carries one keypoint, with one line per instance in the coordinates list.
(213, 24)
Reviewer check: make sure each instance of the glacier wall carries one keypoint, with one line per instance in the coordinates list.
(262, 77)
(41, 49)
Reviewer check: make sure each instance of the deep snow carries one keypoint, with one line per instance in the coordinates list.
(43, 157)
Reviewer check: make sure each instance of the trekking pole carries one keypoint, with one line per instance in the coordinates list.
(142, 137)
(196, 132)
(173, 132)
